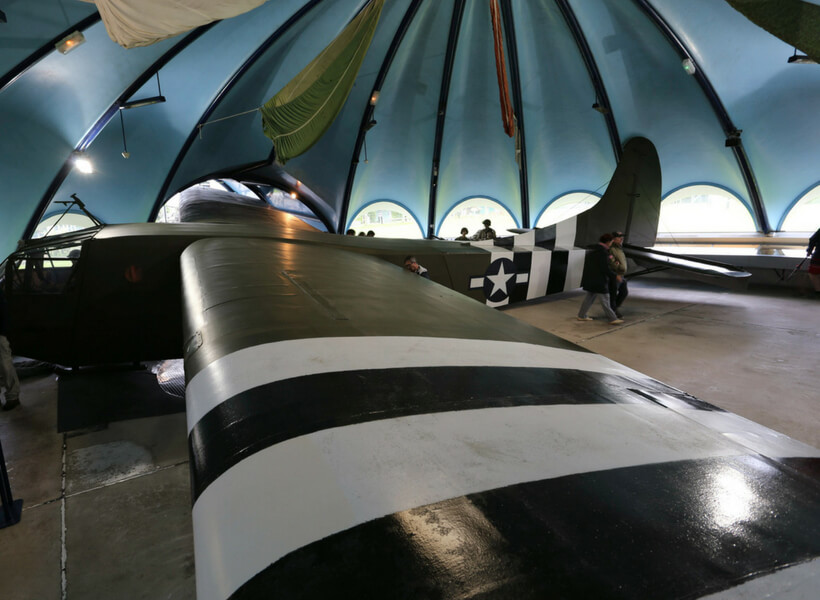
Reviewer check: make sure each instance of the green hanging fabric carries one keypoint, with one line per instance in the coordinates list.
(304, 109)
(796, 23)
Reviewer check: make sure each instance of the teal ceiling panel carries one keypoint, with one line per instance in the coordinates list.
(406, 111)
(558, 95)
(766, 96)
(48, 110)
(325, 167)
(156, 134)
(240, 137)
(478, 158)
(652, 96)
(32, 24)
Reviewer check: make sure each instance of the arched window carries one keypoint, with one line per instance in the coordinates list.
(805, 214)
(471, 213)
(704, 209)
(567, 206)
(386, 219)
(55, 225)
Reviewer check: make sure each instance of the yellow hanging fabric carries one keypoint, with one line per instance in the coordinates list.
(298, 116)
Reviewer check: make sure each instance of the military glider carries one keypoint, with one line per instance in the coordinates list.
(358, 431)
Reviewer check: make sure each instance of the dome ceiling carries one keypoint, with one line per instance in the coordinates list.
(438, 137)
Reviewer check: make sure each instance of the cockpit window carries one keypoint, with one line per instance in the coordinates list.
(44, 270)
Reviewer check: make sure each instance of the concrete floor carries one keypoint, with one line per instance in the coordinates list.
(107, 513)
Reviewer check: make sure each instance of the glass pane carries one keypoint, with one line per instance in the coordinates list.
(59, 224)
(386, 219)
(567, 206)
(805, 215)
(704, 209)
(471, 213)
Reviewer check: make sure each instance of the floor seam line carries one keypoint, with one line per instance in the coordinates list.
(123, 480)
(63, 552)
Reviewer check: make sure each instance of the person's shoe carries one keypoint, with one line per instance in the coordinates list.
(11, 404)
(616, 322)
(618, 314)
(584, 318)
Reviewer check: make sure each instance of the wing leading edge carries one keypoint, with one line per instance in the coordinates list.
(355, 427)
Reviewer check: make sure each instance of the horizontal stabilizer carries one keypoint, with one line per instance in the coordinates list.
(702, 266)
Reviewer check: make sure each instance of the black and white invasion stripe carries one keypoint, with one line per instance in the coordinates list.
(415, 467)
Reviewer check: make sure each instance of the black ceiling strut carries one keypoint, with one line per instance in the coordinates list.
(449, 59)
(518, 108)
(368, 111)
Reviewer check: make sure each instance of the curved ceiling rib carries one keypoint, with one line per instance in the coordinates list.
(720, 111)
(594, 74)
(45, 49)
(512, 47)
(449, 60)
(223, 91)
(368, 111)
(100, 124)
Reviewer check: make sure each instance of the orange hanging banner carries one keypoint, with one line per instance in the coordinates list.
(507, 116)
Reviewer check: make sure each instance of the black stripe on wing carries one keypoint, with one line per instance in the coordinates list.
(272, 413)
(673, 530)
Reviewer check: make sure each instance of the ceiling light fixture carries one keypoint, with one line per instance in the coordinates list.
(689, 66)
(801, 59)
(142, 102)
(374, 97)
(69, 42)
(81, 161)
(600, 108)
(733, 139)
(158, 99)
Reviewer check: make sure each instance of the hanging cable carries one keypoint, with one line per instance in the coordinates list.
(125, 153)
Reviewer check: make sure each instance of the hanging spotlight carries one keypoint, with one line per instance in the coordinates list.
(801, 59)
(69, 42)
(82, 162)
(293, 195)
(142, 102)
(158, 99)
(689, 66)
(370, 125)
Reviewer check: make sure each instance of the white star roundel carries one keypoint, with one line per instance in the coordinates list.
(499, 279)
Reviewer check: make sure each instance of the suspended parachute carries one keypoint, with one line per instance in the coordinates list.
(133, 23)
(304, 109)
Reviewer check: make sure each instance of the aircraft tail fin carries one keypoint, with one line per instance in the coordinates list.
(632, 200)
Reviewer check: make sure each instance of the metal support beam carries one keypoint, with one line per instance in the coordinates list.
(449, 59)
(371, 107)
(594, 74)
(518, 107)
